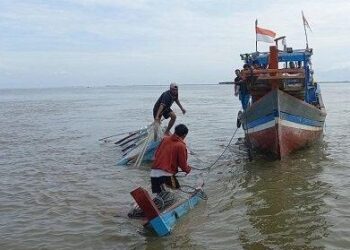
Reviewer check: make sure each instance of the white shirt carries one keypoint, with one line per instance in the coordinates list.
(159, 173)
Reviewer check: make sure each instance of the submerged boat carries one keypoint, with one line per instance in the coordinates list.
(139, 146)
(163, 222)
(286, 111)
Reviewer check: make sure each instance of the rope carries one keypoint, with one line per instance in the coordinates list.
(201, 194)
(250, 156)
(213, 164)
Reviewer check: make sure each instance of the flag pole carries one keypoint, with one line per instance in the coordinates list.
(307, 42)
(256, 36)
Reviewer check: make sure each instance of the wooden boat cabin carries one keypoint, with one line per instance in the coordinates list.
(288, 70)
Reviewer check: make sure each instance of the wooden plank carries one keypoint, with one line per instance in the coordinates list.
(271, 71)
(145, 202)
(268, 77)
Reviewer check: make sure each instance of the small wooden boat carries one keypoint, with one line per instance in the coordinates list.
(135, 152)
(163, 222)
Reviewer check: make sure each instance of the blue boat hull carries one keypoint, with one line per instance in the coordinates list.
(164, 224)
(148, 156)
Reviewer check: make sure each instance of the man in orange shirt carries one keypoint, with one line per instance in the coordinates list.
(170, 155)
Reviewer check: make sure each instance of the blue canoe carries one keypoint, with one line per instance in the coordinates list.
(163, 223)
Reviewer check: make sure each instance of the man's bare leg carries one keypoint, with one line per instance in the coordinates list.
(171, 123)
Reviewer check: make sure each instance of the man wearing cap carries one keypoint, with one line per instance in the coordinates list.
(163, 106)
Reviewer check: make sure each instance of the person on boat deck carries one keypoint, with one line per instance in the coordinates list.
(317, 95)
(163, 106)
(256, 66)
(299, 64)
(237, 80)
(241, 89)
(169, 157)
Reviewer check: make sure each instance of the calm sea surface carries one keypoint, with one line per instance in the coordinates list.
(61, 188)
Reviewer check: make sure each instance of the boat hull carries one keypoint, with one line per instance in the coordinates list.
(279, 124)
(148, 156)
(163, 222)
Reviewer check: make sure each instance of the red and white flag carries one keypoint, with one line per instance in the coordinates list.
(264, 35)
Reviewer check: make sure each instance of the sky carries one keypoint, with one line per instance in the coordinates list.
(46, 43)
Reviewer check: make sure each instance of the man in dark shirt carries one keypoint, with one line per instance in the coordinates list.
(237, 81)
(241, 90)
(163, 106)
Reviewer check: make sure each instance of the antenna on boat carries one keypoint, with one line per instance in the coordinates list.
(305, 24)
(284, 43)
(256, 36)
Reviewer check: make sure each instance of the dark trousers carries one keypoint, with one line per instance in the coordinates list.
(158, 183)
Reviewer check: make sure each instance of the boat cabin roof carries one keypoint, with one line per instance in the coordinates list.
(302, 55)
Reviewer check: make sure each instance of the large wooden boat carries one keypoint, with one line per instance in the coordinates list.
(286, 111)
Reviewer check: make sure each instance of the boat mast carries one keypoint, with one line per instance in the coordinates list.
(256, 36)
(305, 23)
(307, 43)
(273, 64)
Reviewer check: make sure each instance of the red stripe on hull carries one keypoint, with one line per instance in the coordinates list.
(265, 140)
(283, 140)
(292, 139)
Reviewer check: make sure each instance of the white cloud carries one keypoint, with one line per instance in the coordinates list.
(190, 40)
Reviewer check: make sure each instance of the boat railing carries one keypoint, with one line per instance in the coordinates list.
(260, 81)
(274, 73)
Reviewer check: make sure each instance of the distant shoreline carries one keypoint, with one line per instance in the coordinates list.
(344, 81)
(225, 82)
(133, 85)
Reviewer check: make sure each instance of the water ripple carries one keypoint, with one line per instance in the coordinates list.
(61, 189)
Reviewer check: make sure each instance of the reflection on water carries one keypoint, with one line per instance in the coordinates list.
(286, 207)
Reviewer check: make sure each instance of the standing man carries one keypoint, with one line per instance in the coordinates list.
(241, 88)
(163, 106)
(237, 80)
(170, 155)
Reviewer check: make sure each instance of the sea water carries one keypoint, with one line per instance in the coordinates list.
(61, 187)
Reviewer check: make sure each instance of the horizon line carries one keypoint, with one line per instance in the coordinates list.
(130, 85)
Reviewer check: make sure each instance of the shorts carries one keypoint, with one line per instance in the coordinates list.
(165, 113)
(159, 182)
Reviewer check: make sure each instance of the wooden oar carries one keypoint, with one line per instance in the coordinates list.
(129, 146)
(132, 134)
(138, 136)
(127, 137)
(143, 151)
(134, 145)
(104, 138)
